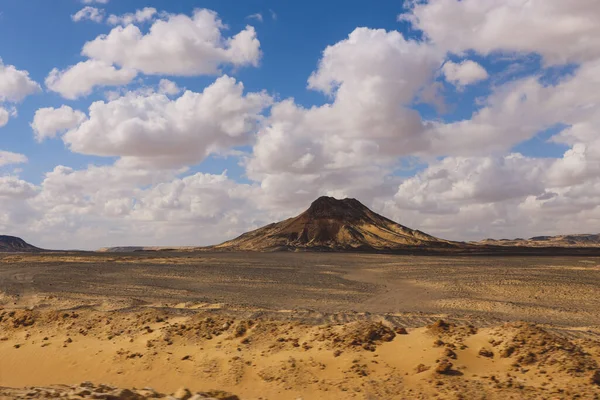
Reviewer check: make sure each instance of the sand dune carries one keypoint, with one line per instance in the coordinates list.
(203, 351)
(298, 325)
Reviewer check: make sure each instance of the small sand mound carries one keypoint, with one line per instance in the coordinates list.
(532, 345)
(366, 335)
(88, 390)
(370, 333)
(443, 328)
(16, 319)
(199, 327)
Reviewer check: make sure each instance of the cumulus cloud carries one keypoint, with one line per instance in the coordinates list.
(88, 13)
(367, 125)
(178, 45)
(472, 183)
(81, 79)
(581, 163)
(116, 210)
(13, 188)
(560, 31)
(454, 182)
(140, 16)
(8, 158)
(155, 131)
(464, 73)
(502, 197)
(4, 116)
(15, 84)
(48, 122)
(520, 109)
(457, 196)
(168, 87)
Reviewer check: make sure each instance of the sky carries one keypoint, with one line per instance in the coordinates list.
(146, 122)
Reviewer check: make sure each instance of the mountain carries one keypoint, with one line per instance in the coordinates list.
(582, 240)
(12, 244)
(331, 224)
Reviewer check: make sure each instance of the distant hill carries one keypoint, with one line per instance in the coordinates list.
(133, 249)
(331, 224)
(348, 225)
(581, 240)
(13, 244)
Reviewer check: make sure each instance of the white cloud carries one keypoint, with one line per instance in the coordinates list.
(459, 196)
(140, 16)
(581, 163)
(48, 122)
(81, 79)
(519, 110)
(88, 13)
(104, 206)
(179, 45)
(13, 188)
(503, 197)
(351, 144)
(454, 182)
(154, 131)
(15, 84)
(258, 17)
(561, 31)
(9, 158)
(168, 87)
(4, 116)
(473, 185)
(464, 73)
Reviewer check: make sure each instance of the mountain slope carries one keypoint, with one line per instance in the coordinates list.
(13, 244)
(582, 240)
(331, 224)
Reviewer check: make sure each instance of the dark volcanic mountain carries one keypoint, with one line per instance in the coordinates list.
(12, 244)
(331, 224)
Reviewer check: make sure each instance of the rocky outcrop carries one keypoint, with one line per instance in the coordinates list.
(88, 390)
(13, 244)
(582, 240)
(331, 224)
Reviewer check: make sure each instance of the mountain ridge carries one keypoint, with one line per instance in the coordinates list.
(13, 244)
(572, 240)
(334, 225)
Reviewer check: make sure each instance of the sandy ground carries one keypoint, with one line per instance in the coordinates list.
(310, 326)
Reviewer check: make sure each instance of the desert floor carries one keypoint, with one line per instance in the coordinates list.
(299, 325)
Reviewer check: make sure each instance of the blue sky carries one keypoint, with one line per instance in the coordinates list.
(449, 101)
(48, 39)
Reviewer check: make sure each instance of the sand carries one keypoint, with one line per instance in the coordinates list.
(135, 322)
(201, 350)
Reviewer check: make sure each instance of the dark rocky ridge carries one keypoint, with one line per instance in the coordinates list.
(13, 244)
(331, 224)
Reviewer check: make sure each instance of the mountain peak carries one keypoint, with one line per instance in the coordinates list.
(330, 207)
(332, 224)
(13, 244)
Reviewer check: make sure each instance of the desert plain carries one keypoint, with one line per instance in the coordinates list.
(298, 326)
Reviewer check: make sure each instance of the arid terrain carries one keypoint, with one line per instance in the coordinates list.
(564, 241)
(298, 325)
(334, 224)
